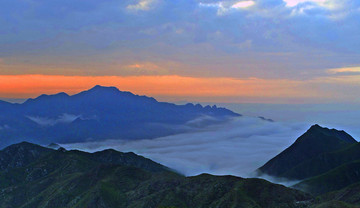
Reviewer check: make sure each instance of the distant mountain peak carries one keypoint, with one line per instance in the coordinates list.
(104, 88)
(99, 90)
(21, 154)
(60, 95)
(101, 113)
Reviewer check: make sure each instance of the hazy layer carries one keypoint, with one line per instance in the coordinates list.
(236, 148)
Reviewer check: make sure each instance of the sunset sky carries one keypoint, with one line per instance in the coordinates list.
(261, 51)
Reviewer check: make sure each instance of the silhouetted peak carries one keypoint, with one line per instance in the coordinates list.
(316, 127)
(58, 95)
(107, 151)
(103, 88)
(99, 90)
(45, 97)
(341, 134)
(26, 145)
(61, 149)
(4, 103)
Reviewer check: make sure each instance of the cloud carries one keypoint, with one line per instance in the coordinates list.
(243, 4)
(329, 4)
(64, 118)
(347, 70)
(4, 127)
(224, 7)
(332, 9)
(292, 3)
(237, 147)
(145, 68)
(142, 5)
(267, 40)
(246, 44)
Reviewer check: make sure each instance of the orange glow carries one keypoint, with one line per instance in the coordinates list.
(24, 86)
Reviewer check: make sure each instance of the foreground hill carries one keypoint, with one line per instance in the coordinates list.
(100, 113)
(42, 177)
(335, 179)
(349, 194)
(327, 163)
(304, 158)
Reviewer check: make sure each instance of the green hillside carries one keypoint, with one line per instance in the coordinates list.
(333, 180)
(324, 162)
(60, 178)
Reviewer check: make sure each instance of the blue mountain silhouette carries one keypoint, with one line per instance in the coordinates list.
(100, 113)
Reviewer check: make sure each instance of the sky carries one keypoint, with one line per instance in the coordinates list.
(230, 51)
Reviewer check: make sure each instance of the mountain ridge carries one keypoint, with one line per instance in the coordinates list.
(315, 141)
(100, 113)
(75, 179)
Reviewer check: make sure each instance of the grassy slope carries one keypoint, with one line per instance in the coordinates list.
(332, 180)
(324, 162)
(76, 179)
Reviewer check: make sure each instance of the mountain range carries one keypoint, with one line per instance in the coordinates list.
(326, 163)
(323, 163)
(35, 176)
(100, 113)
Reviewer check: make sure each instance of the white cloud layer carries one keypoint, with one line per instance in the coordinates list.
(237, 148)
(64, 118)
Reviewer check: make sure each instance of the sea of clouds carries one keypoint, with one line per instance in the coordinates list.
(237, 147)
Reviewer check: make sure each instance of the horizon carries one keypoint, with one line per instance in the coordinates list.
(232, 51)
(342, 116)
(168, 98)
(222, 103)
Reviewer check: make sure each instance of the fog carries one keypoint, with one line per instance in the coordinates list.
(237, 147)
(44, 121)
(2, 127)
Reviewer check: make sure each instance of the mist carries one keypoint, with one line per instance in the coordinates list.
(43, 121)
(237, 147)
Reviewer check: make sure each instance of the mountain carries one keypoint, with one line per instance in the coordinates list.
(60, 178)
(333, 180)
(100, 113)
(327, 163)
(349, 194)
(20, 155)
(297, 161)
(334, 171)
